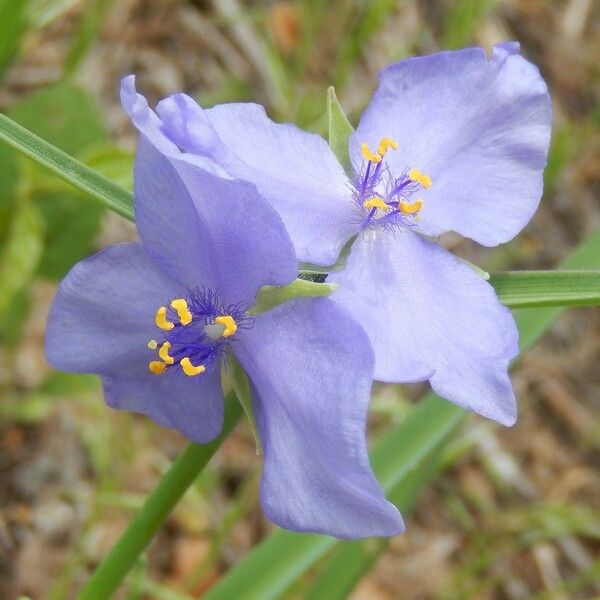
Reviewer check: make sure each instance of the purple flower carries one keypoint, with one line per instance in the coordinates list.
(156, 319)
(450, 142)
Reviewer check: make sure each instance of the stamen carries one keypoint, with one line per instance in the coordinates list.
(229, 323)
(416, 175)
(368, 155)
(164, 353)
(157, 367)
(386, 144)
(161, 319)
(183, 312)
(376, 203)
(152, 344)
(189, 369)
(410, 208)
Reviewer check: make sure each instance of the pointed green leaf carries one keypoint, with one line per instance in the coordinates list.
(271, 296)
(339, 129)
(241, 387)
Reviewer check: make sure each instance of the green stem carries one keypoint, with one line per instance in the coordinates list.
(190, 463)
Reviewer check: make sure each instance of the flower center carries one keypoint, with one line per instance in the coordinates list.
(382, 198)
(196, 330)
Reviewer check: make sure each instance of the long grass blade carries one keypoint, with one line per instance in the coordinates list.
(530, 289)
(66, 167)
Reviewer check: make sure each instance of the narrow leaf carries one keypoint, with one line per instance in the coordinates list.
(66, 116)
(66, 167)
(524, 289)
(339, 129)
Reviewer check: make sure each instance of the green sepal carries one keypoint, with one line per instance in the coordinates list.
(339, 129)
(241, 387)
(271, 296)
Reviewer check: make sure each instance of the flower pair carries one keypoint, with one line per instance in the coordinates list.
(227, 201)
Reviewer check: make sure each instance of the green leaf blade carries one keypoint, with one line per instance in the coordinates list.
(340, 129)
(66, 167)
(66, 116)
(527, 289)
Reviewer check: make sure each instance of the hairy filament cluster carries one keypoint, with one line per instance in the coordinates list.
(196, 331)
(382, 199)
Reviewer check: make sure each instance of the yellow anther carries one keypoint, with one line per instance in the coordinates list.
(161, 319)
(385, 144)
(376, 203)
(183, 312)
(164, 353)
(229, 323)
(189, 369)
(374, 158)
(152, 344)
(416, 175)
(157, 367)
(410, 208)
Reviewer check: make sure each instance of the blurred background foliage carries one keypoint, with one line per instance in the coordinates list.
(515, 513)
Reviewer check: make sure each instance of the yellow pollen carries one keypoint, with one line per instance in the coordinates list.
(229, 323)
(376, 203)
(164, 353)
(416, 175)
(183, 312)
(386, 144)
(410, 208)
(161, 319)
(157, 367)
(189, 369)
(152, 345)
(368, 155)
